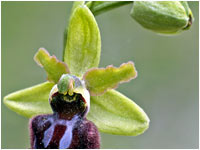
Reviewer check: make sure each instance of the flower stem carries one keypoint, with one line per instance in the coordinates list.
(99, 7)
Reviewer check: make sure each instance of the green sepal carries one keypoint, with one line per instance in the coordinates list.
(53, 67)
(99, 80)
(114, 113)
(31, 101)
(77, 4)
(83, 46)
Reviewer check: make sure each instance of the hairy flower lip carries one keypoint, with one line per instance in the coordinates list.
(80, 133)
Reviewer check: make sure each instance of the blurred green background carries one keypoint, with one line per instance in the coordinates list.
(166, 88)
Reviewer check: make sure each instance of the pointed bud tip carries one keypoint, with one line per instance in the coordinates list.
(190, 21)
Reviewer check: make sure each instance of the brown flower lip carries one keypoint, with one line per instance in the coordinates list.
(67, 127)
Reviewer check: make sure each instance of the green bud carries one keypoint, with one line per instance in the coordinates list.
(165, 17)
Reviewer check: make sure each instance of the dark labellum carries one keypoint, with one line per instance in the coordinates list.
(67, 127)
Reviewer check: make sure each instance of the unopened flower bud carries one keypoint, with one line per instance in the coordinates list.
(166, 17)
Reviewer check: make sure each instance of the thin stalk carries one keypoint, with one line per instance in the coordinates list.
(99, 7)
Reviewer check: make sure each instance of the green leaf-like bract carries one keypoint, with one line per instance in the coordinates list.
(98, 80)
(114, 113)
(83, 42)
(31, 101)
(51, 64)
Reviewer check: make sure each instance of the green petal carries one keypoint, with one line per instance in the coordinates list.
(114, 113)
(53, 67)
(100, 80)
(83, 42)
(31, 101)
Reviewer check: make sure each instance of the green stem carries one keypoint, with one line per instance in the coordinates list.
(99, 7)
